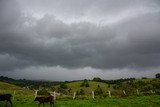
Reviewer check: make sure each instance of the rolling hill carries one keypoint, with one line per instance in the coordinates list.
(75, 86)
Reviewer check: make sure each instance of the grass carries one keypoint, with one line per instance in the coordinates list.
(25, 98)
(22, 97)
(141, 101)
(7, 86)
(92, 86)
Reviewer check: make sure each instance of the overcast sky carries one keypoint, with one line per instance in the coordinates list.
(78, 39)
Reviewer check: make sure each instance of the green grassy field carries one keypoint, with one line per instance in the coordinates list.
(142, 101)
(92, 86)
(25, 98)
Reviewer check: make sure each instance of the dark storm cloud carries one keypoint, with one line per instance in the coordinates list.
(143, 40)
(48, 41)
(53, 43)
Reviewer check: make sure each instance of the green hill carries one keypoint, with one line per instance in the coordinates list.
(76, 86)
(10, 88)
(7, 86)
(25, 97)
(116, 87)
(21, 97)
(92, 86)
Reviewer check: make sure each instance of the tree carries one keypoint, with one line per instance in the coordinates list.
(98, 91)
(69, 90)
(97, 79)
(158, 75)
(81, 92)
(61, 90)
(63, 86)
(84, 83)
(43, 92)
(53, 88)
(77, 92)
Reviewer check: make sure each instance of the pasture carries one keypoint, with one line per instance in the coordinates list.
(25, 97)
(141, 101)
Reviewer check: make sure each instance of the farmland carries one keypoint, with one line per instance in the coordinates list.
(25, 97)
(142, 101)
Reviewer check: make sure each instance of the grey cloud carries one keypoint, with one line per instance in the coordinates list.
(10, 15)
(25, 41)
(143, 40)
(9, 63)
(62, 74)
(98, 11)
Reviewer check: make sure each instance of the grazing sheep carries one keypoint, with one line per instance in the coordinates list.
(45, 99)
(6, 97)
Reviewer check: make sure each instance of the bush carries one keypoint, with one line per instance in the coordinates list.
(63, 86)
(69, 90)
(158, 75)
(61, 90)
(157, 92)
(43, 92)
(97, 79)
(98, 91)
(81, 92)
(84, 83)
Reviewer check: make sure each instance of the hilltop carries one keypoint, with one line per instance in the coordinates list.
(76, 86)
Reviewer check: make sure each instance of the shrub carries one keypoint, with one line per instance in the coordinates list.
(98, 91)
(43, 92)
(61, 90)
(81, 92)
(63, 86)
(97, 79)
(157, 75)
(84, 83)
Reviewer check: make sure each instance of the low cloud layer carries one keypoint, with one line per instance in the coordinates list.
(104, 39)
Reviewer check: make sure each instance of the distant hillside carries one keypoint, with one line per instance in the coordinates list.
(146, 86)
(32, 84)
(7, 86)
(130, 85)
(75, 86)
(10, 88)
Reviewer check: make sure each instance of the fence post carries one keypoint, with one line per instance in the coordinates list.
(74, 95)
(109, 93)
(54, 95)
(137, 92)
(14, 93)
(124, 92)
(35, 95)
(93, 94)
